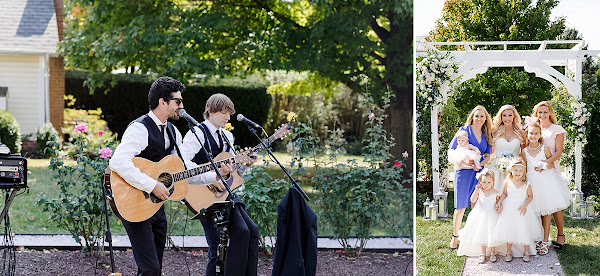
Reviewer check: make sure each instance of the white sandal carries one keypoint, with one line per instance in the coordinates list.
(493, 257)
(544, 248)
(508, 257)
(538, 246)
(526, 257)
(481, 259)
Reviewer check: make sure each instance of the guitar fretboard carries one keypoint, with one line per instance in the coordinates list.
(201, 169)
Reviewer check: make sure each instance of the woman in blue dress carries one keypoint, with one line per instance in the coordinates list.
(478, 126)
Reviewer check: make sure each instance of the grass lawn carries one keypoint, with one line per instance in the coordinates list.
(579, 256)
(27, 218)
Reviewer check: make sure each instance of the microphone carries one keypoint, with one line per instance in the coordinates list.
(181, 113)
(241, 118)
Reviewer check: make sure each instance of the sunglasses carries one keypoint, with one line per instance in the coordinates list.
(178, 101)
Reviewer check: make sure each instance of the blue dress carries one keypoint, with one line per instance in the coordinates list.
(464, 180)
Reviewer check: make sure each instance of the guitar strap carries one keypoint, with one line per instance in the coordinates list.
(171, 134)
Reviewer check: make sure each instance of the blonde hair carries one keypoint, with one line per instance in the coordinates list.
(518, 161)
(498, 128)
(546, 104)
(487, 126)
(485, 172)
(217, 103)
(534, 124)
(463, 134)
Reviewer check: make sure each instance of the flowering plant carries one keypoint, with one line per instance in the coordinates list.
(579, 117)
(503, 161)
(432, 72)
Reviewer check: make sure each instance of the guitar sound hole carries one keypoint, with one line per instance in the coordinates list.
(166, 178)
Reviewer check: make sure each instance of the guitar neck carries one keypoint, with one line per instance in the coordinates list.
(201, 169)
(258, 148)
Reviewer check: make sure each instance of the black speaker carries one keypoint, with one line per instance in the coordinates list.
(13, 171)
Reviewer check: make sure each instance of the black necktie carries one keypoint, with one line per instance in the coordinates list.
(220, 139)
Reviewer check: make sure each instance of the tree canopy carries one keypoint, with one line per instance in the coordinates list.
(345, 41)
(499, 20)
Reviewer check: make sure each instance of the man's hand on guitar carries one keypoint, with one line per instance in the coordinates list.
(225, 169)
(161, 191)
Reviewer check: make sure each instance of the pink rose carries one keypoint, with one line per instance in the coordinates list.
(398, 164)
(371, 115)
(405, 154)
(80, 127)
(100, 133)
(105, 153)
(348, 159)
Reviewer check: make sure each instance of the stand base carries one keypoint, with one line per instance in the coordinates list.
(215, 207)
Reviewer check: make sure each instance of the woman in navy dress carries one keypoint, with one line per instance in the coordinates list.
(478, 126)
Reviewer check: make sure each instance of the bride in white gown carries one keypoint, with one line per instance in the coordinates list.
(508, 138)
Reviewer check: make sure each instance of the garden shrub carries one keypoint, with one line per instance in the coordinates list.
(591, 151)
(46, 133)
(10, 134)
(353, 198)
(262, 194)
(79, 205)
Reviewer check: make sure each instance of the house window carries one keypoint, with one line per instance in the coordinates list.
(3, 92)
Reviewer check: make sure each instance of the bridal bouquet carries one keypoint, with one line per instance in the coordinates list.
(504, 161)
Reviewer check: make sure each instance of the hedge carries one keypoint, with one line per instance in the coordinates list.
(128, 100)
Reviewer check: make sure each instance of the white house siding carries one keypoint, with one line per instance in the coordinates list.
(21, 74)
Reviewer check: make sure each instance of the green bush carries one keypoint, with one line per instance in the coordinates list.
(78, 207)
(10, 134)
(262, 194)
(352, 199)
(46, 134)
(591, 151)
(128, 100)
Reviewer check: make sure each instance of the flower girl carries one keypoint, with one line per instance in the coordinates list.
(551, 192)
(517, 223)
(477, 234)
(464, 152)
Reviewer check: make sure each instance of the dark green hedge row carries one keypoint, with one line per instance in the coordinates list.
(128, 100)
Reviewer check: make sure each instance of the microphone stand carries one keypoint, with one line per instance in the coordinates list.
(108, 234)
(281, 166)
(217, 211)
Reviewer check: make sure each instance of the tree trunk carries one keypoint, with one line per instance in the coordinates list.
(399, 124)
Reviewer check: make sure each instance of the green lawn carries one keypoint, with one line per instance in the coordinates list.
(579, 257)
(27, 218)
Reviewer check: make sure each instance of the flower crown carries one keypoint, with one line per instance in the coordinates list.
(516, 163)
(483, 172)
(527, 120)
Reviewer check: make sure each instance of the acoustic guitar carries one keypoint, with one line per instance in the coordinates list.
(135, 205)
(201, 197)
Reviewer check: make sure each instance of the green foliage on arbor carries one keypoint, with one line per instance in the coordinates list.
(493, 20)
(591, 151)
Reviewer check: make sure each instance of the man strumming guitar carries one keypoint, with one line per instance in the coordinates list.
(148, 137)
(242, 255)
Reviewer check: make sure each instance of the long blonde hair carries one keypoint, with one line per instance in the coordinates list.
(498, 129)
(487, 126)
(547, 104)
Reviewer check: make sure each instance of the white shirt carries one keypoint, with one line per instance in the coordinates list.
(191, 147)
(135, 140)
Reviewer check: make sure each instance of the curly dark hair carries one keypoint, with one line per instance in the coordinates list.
(162, 88)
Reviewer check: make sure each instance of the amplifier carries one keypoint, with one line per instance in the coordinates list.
(13, 171)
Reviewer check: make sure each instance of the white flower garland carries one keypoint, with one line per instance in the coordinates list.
(579, 117)
(432, 72)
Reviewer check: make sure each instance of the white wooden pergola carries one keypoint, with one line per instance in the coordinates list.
(476, 57)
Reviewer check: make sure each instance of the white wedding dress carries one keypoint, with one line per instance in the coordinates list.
(503, 147)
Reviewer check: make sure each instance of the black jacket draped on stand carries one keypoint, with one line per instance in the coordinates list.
(296, 248)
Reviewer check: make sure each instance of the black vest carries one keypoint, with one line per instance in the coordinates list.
(156, 141)
(200, 157)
